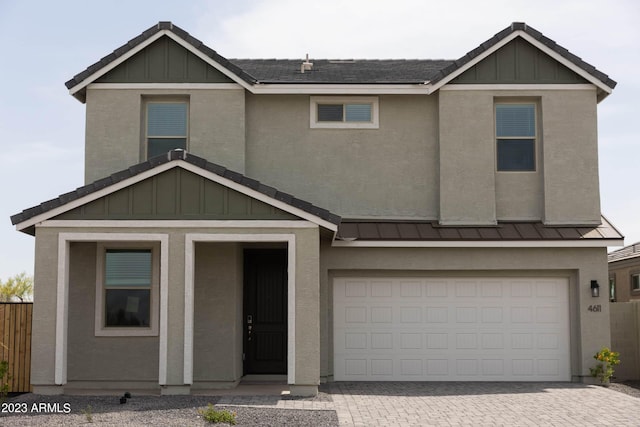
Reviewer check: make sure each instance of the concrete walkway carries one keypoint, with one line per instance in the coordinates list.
(462, 404)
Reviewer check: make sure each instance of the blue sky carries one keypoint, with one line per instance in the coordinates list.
(45, 43)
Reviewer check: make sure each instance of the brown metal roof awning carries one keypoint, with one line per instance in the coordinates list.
(349, 230)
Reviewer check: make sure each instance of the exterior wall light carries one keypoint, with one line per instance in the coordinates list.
(595, 289)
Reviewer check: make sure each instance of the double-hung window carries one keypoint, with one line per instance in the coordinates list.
(127, 292)
(516, 136)
(344, 112)
(166, 127)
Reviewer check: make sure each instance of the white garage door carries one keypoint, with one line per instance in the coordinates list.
(451, 329)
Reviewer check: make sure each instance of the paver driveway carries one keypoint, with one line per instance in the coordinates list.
(481, 404)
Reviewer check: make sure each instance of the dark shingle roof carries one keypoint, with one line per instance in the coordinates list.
(360, 71)
(631, 251)
(159, 160)
(341, 71)
(508, 231)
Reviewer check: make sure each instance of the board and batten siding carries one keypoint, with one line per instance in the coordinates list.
(176, 194)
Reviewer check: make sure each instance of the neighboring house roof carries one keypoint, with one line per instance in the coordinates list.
(252, 73)
(631, 251)
(25, 220)
(429, 231)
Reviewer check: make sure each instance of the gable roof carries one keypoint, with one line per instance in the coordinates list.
(26, 220)
(628, 252)
(257, 75)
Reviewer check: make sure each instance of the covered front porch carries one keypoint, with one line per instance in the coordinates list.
(175, 276)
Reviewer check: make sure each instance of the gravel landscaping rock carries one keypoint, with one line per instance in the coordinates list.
(147, 411)
(632, 388)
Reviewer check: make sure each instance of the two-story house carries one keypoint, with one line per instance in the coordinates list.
(325, 220)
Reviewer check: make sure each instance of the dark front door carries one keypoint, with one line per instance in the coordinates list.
(265, 311)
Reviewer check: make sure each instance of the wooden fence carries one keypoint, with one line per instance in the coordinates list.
(15, 343)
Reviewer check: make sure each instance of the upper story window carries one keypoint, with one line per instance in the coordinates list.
(166, 127)
(516, 136)
(344, 112)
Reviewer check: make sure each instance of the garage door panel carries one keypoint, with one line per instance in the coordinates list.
(451, 329)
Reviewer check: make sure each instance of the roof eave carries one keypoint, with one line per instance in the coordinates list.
(78, 84)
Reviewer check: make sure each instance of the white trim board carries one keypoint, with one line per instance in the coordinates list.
(518, 87)
(167, 166)
(584, 243)
(177, 224)
(189, 285)
(165, 86)
(62, 295)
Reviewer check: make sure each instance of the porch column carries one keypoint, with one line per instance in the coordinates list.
(307, 313)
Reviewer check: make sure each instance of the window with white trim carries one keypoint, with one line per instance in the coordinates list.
(166, 126)
(516, 137)
(127, 290)
(344, 112)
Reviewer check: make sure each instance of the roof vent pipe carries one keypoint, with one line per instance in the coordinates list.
(306, 65)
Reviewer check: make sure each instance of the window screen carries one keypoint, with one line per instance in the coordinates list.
(166, 127)
(128, 275)
(516, 137)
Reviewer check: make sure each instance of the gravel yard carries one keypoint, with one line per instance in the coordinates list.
(183, 410)
(152, 410)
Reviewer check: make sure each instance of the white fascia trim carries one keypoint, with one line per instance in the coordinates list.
(534, 42)
(189, 286)
(177, 224)
(519, 87)
(564, 61)
(62, 297)
(277, 88)
(162, 168)
(94, 196)
(166, 86)
(104, 70)
(585, 243)
(341, 89)
(208, 60)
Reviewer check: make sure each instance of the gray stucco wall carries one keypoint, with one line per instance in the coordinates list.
(387, 172)
(588, 330)
(433, 157)
(217, 335)
(564, 189)
(115, 127)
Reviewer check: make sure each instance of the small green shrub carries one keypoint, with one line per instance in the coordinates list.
(4, 380)
(88, 413)
(214, 415)
(604, 370)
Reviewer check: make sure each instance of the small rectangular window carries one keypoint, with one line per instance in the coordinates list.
(166, 127)
(516, 137)
(635, 282)
(344, 112)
